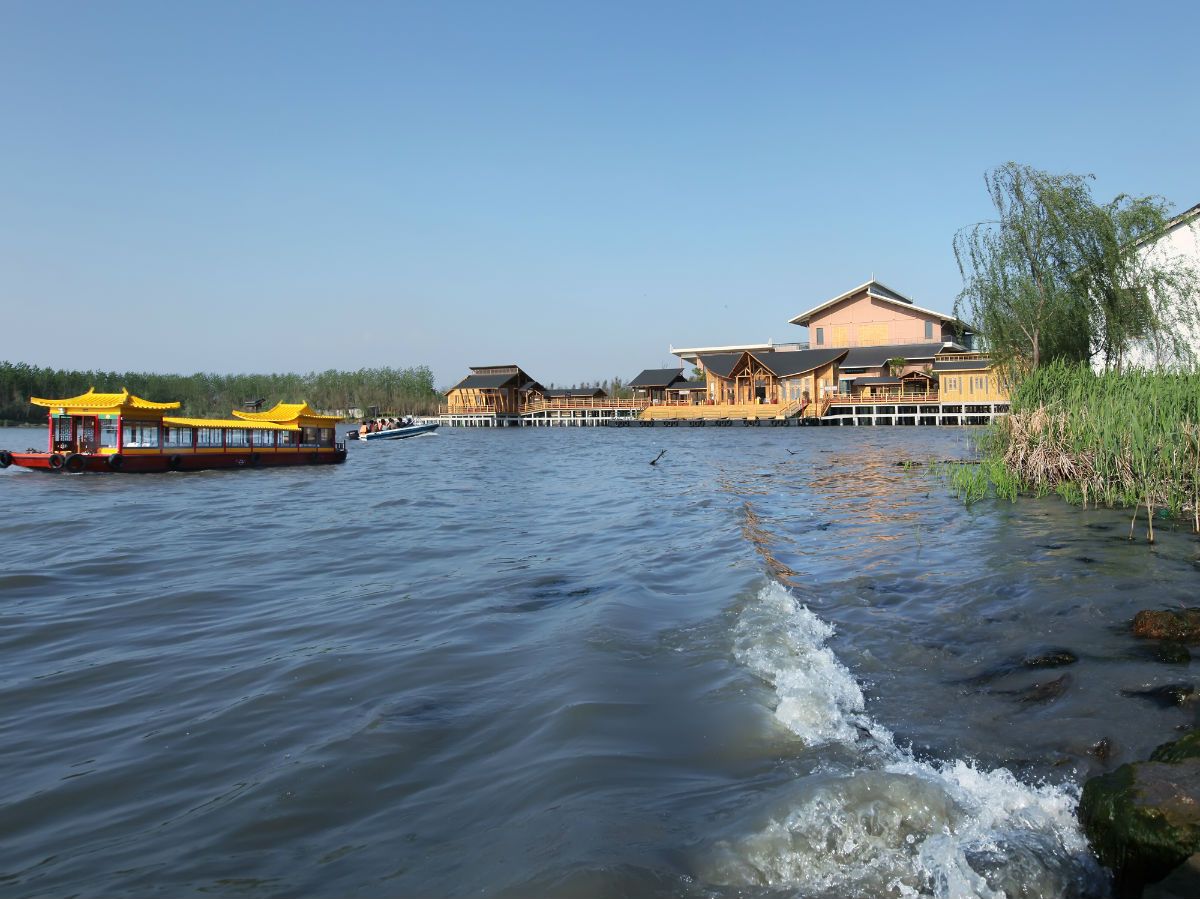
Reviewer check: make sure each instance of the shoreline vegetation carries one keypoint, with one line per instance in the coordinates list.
(1119, 440)
(407, 391)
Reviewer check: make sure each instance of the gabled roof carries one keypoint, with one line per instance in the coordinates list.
(485, 382)
(866, 382)
(962, 364)
(877, 291)
(282, 413)
(688, 386)
(874, 356)
(720, 364)
(783, 365)
(797, 362)
(93, 400)
(658, 377)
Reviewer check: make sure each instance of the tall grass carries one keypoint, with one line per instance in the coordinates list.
(1119, 440)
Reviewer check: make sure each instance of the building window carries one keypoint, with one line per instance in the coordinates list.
(929, 330)
(820, 336)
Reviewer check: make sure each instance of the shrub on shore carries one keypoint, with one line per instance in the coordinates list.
(1117, 440)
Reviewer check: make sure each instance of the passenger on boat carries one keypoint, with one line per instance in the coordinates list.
(364, 429)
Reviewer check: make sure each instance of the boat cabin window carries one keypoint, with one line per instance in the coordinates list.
(288, 438)
(210, 437)
(178, 437)
(108, 432)
(237, 437)
(326, 436)
(308, 436)
(139, 434)
(263, 437)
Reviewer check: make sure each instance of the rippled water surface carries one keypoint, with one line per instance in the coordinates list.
(527, 662)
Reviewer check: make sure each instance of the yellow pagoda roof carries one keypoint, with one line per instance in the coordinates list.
(93, 400)
(227, 423)
(285, 412)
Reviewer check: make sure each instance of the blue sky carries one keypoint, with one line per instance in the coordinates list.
(570, 186)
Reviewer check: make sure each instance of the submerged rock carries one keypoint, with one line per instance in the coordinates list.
(1166, 695)
(1143, 819)
(1051, 658)
(1045, 692)
(1182, 625)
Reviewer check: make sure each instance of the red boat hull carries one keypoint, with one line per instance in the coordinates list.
(72, 463)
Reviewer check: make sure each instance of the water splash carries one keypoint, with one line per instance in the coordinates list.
(890, 824)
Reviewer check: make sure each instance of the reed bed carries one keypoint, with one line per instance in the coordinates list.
(1127, 440)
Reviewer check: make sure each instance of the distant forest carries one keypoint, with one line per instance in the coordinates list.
(391, 390)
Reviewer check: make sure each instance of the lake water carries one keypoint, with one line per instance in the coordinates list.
(528, 663)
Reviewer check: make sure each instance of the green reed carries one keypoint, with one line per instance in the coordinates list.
(1128, 440)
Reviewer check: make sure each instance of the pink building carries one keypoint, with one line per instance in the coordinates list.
(873, 314)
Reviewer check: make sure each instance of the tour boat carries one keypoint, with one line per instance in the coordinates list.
(397, 433)
(122, 432)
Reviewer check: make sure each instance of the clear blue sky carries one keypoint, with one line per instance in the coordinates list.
(294, 186)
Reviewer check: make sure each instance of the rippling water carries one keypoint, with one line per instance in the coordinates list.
(526, 662)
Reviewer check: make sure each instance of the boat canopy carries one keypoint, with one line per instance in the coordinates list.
(227, 423)
(291, 413)
(92, 402)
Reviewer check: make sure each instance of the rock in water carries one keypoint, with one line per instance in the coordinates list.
(1182, 626)
(1143, 819)
(1051, 658)
(1167, 695)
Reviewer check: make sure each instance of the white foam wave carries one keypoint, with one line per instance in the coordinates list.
(894, 825)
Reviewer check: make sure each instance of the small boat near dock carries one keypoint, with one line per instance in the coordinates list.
(119, 432)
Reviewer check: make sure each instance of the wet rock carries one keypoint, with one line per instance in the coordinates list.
(1172, 653)
(1046, 692)
(1182, 883)
(1166, 695)
(1181, 625)
(1143, 819)
(1051, 658)
(1186, 747)
(1101, 749)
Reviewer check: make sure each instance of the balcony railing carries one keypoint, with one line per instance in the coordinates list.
(891, 397)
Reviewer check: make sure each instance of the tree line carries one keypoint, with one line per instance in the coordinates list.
(406, 391)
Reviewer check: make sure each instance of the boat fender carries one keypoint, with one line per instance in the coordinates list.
(75, 463)
(5, 458)
(173, 462)
(116, 461)
(55, 461)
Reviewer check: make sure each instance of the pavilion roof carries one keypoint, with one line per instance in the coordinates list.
(284, 413)
(228, 423)
(105, 401)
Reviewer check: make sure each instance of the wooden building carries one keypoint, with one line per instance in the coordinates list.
(490, 390)
(653, 383)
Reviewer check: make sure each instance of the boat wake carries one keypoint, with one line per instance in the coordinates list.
(885, 824)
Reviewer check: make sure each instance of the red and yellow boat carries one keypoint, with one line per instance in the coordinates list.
(123, 432)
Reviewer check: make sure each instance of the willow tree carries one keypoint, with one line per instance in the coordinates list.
(1057, 276)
